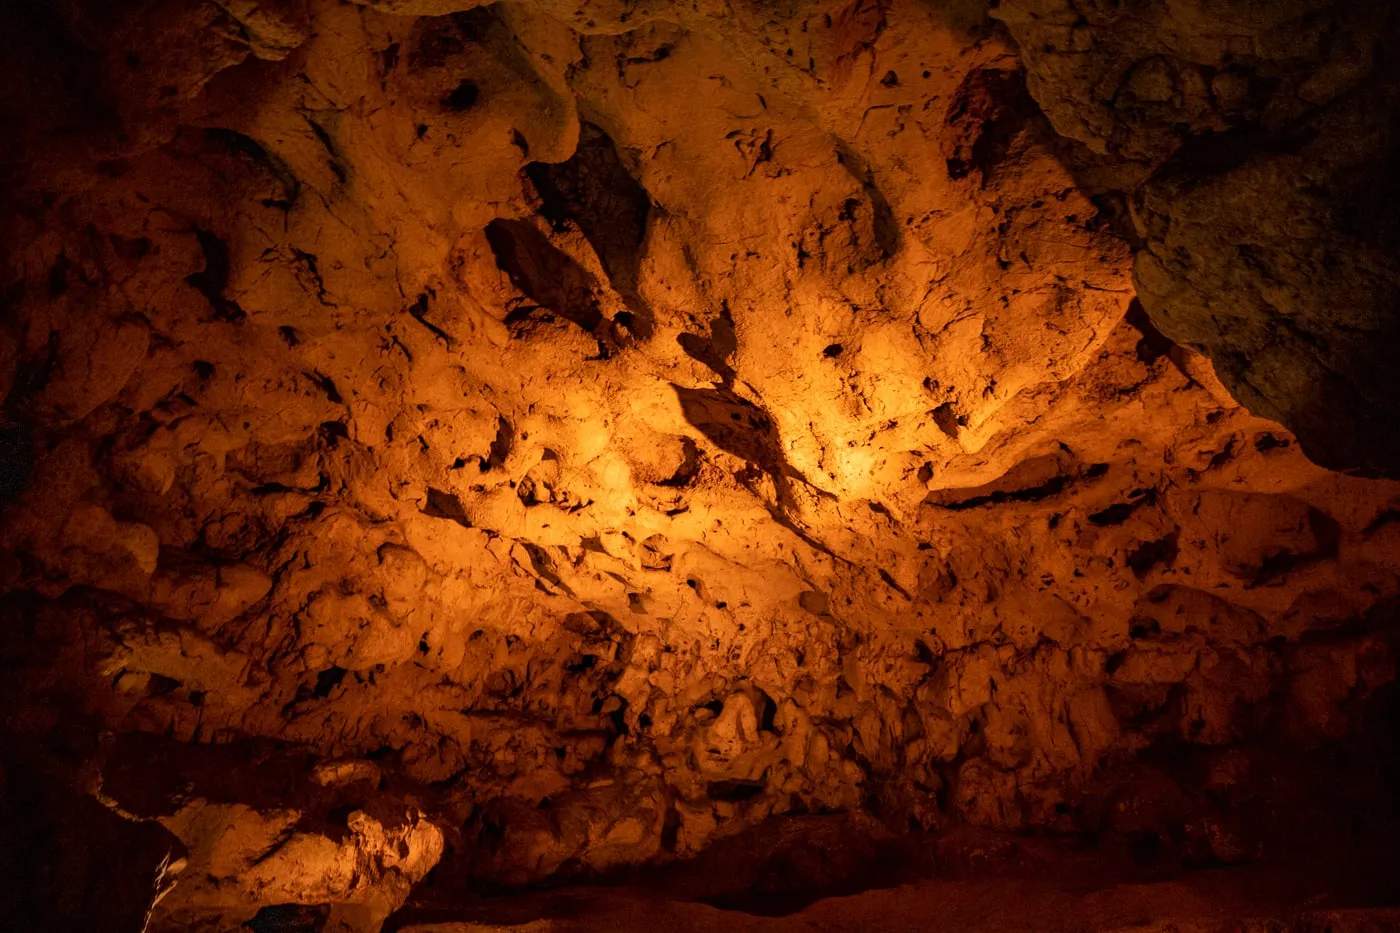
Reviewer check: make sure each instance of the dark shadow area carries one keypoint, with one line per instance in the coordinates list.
(68, 863)
(987, 111)
(290, 918)
(594, 190)
(552, 280)
(734, 425)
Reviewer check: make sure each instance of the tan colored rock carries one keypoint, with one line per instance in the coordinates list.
(572, 436)
(241, 860)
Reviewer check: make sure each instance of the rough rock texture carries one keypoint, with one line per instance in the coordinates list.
(1258, 141)
(535, 440)
(991, 906)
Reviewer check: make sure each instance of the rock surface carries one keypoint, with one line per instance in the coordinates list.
(984, 908)
(1258, 143)
(530, 441)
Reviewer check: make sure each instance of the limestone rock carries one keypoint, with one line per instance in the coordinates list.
(1256, 142)
(462, 445)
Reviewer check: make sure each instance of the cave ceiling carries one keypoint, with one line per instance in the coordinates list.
(554, 436)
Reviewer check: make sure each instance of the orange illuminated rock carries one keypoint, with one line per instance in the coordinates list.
(538, 440)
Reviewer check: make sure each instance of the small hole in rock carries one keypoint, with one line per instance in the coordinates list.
(463, 97)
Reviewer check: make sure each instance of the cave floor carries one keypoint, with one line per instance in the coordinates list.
(984, 883)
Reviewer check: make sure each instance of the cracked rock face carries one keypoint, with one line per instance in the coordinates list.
(1258, 143)
(452, 445)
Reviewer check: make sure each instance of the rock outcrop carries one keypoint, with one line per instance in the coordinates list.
(1258, 144)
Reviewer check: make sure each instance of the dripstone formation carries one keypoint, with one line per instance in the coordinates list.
(454, 447)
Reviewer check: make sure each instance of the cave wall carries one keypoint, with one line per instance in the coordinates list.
(532, 441)
(1257, 143)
